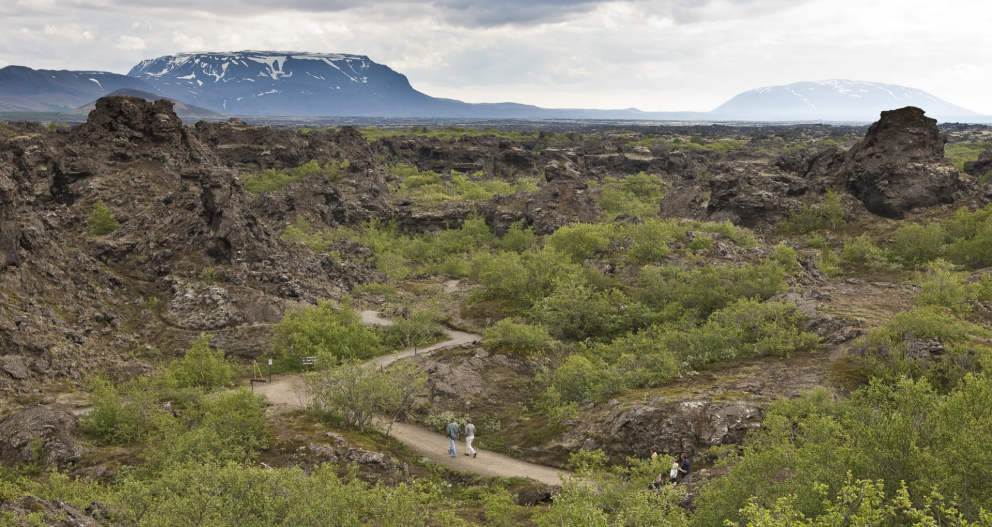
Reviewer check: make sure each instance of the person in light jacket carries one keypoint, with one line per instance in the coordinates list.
(453, 431)
(469, 436)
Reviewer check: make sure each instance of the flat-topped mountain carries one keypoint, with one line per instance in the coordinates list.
(288, 83)
(834, 100)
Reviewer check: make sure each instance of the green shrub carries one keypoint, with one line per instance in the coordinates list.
(916, 244)
(576, 311)
(829, 214)
(650, 239)
(941, 286)
(518, 238)
(637, 195)
(114, 419)
(982, 290)
(216, 428)
(273, 180)
(708, 288)
(829, 263)
(741, 236)
(202, 367)
(102, 220)
(701, 243)
(508, 333)
(861, 251)
(302, 232)
(580, 241)
(786, 257)
(418, 326)
(324, 331)
(971, 233)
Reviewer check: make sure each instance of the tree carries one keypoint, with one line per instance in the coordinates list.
(201, 367)
(102, 220)
(336, 334)
(417, 326)
(354, 393)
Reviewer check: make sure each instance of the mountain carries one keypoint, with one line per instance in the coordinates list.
(23, 89)
(835, 100)
(183, 110)
(327, 84)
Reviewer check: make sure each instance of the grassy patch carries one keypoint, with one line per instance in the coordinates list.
(961, 153)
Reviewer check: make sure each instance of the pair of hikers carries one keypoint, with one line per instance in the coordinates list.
(682, 469)
(453, 431)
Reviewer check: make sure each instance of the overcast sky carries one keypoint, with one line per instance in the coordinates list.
(650, 54)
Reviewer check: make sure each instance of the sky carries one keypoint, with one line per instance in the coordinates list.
(655, 55)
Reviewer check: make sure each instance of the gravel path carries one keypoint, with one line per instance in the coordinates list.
(287, 390)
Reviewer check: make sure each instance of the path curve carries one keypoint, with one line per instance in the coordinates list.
(287, 390)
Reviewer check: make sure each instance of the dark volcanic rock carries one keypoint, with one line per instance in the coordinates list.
(748, 194)
(980, 167)
(900, 165)
(52, 427)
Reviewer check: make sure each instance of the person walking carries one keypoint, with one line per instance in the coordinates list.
(654, 453)
(453, 432)
(675, 470)
(684, 469)
(469, 436)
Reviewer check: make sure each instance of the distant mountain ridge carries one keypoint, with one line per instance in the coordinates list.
(25, 89)
(306, 84)
(834, 100)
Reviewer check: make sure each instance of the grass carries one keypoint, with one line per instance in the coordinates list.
(961, 153)
(273, 180)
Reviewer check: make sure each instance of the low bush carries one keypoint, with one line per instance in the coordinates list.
(518, 238)
(201, 367)
(116, 419)
(787, 258)
(511, 334)
(650, 239)
(861, 251)
(941, 286)
(102, 220)
(637, 195)
(276, 179)
(915, 244)
(581, 241)
(336, 334)
(829, 214)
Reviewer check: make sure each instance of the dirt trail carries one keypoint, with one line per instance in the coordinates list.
(287, 390)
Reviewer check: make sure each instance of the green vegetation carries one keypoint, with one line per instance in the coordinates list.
(332, 334)
(829, 214)
(960, 153)
(428, 187)
(102, 220)
(638, 195)
(272, 179)
(513, 335)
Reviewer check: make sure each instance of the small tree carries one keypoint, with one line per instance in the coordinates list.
(202, 367)
(102, 220)
(418, 326)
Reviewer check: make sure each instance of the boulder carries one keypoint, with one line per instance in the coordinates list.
(15, 366)
(50, 427)
(980, 167)
(900, 165)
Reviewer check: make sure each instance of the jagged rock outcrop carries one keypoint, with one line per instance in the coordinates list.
(980, 167)
(42, 435)
(900, 165)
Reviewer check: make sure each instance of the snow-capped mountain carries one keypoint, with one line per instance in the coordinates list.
(834, 100)
(287, 83)
(24, 89)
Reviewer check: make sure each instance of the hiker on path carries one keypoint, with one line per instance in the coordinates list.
(453, 431)
(684, 469)
(469, 436)
(675, 470)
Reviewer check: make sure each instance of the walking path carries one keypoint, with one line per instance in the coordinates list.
(432, 445)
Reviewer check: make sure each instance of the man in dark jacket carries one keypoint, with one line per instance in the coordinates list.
(453, 431)
(684, 469)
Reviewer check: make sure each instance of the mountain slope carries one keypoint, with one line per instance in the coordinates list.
(182, 109)
(25, 89)
(834, 100)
